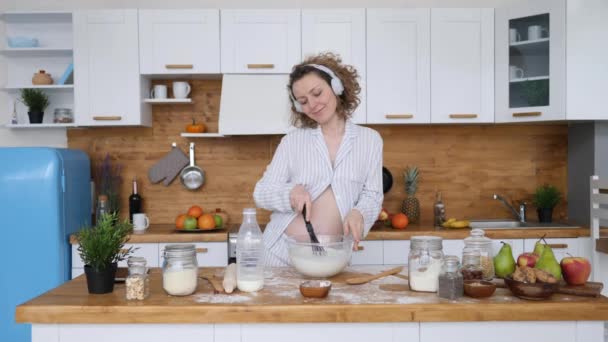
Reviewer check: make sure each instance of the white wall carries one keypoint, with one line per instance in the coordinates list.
(57, 136)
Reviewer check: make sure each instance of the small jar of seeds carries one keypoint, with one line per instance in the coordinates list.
(137, 282)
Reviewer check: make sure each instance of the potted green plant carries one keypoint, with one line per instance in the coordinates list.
(36, 101)
(101, 248)
(545, 199)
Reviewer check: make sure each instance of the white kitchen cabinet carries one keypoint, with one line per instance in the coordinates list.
(208, 254)
(586, 58)
(179, 41)
(398, 74)
(260, 41)
(341, 31)
(530, 61)
(106, 62)
(146, 250)
(462, 65)
(396, 252)
(561, 247)
(371, 254)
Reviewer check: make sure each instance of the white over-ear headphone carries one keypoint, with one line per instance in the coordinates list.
(336, 85)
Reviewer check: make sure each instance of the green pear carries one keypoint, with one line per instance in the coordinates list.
(538, 247)
(504, 263)
(547, 262)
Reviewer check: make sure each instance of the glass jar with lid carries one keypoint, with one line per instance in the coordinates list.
(483, 245)
(425, 261)
(471, 265)
(63, 115)
(137, 282)
(180, 270)
(450, 280)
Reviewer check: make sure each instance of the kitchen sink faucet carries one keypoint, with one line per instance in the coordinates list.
(521, 216)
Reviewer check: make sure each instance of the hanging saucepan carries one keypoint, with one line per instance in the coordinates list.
(192, 176)
(387, 180)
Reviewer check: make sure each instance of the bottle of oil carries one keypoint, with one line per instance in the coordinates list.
(134, 201)
(439, 210)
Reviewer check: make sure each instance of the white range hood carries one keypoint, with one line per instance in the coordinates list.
(254, 104)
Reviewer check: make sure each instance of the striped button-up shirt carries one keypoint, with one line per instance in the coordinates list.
(302, 158)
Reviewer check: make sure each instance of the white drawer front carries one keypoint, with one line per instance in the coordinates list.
(76, 272)
(209, 254)
(146, 250)
(371, 254)
(396, 252)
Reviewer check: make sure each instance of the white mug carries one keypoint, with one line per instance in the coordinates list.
(536, 32)
(159, 92)
(181, 90)
(514, 35)
(515, 72)
(140, 222)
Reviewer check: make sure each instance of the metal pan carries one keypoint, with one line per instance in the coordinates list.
(387, 180)
(192, 176)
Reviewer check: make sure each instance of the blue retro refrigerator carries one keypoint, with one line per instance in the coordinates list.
(45, 195)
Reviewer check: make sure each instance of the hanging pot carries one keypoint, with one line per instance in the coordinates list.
(192, 176)
(387, 180)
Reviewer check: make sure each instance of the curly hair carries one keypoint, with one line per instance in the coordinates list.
(347, 102)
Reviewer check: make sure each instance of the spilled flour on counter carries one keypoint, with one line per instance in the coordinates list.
(210, 298)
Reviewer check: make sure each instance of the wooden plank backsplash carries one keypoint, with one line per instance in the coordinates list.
(467, 163)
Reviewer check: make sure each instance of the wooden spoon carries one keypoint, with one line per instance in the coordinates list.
(216, 283)
(368, 278)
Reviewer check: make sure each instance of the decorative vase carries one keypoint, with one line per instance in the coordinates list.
(42, 78)
(35, 116)
(545, 214)
(99, 282)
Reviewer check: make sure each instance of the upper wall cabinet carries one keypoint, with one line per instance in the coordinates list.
(462, 65)
(260, 41)
(341, 31)
(530, 61)
(179, 41)
(398, 74)
(587, 58)
(106, 59)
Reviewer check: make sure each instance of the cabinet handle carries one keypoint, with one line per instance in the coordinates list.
(463, 116)
(202, 250)
(124, 250)
(399, 116)
(107, 118)
(260, 66)
(525, 114)
(558, 245)
(179, 66)
(360, 248)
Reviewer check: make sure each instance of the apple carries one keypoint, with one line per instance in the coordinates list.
(190, 223)
(527, 259)
(576, 270)
(383, 216)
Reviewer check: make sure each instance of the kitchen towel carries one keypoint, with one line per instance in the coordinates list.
(169, 167)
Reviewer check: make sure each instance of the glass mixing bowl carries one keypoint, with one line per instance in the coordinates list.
(331, 260)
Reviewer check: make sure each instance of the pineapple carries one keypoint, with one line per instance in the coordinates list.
(411, 206)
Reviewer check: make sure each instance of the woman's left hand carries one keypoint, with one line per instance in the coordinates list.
(353, 224)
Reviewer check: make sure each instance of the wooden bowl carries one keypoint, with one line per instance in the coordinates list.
(315, 288)
(479, 288)
(531, 291)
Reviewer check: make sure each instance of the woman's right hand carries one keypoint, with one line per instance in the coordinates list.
(299, 197)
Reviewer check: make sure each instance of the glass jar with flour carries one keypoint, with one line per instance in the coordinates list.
(425, 261)
(180, 270)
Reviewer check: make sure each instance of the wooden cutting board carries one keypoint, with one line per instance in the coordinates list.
(590, 289)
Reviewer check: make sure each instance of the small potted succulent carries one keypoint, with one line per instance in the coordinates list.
(545, 199)
(101, 248)
(36, 101)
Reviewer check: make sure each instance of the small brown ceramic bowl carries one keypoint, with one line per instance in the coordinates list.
(315, 288)
(531, 291)
(479, 288)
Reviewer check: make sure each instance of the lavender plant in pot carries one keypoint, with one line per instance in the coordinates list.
(101, 248)
(545, 199)
(36, 101)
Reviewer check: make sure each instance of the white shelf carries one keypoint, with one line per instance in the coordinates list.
(202, 135)
(37, 51)
(31, 86)
(41, 125)
(526, 79)
(530, 42)
(168, 101)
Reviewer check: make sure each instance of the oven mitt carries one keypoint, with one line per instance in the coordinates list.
(168, 167)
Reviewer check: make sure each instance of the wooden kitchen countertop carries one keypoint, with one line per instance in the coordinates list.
(383, 300)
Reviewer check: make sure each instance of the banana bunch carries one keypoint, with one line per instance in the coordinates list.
(454, 223)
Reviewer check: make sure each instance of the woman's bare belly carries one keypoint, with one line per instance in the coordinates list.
(324, 216)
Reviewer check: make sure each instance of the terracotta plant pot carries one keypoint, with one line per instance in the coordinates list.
(35, 117)
(545, 215)
(99, 282)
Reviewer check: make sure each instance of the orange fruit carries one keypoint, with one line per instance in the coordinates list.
(179, 221)
(399, 221)
(206, 221)
(195, 211)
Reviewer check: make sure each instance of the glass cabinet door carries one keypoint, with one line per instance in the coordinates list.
(530, 62)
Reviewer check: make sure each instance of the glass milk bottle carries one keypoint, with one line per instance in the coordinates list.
(249, 254)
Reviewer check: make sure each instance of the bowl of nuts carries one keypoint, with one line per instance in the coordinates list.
(479, 288)
(532, 283)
